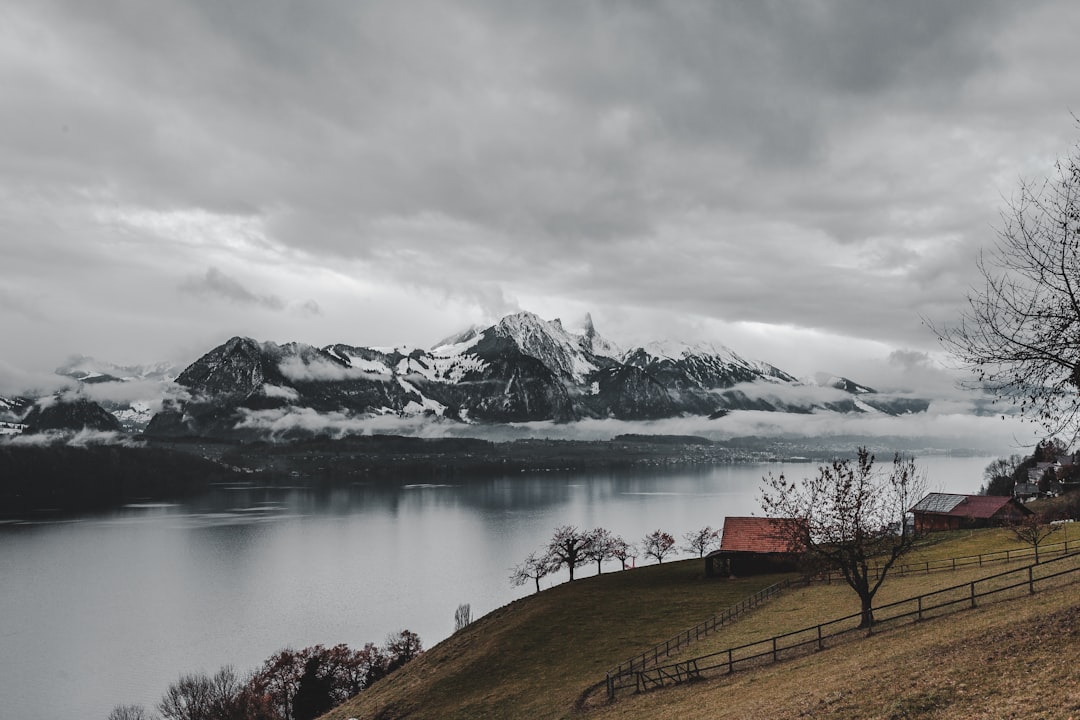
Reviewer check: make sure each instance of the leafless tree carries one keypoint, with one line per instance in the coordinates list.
(535, 567)
(462, 616)
(567, 548)
(202, 697)
(852, 517)
(622, 551)
(600, 547)
(1033, 530)
(1020, 334)
(701, 541)
(657, 544)
(128, 712)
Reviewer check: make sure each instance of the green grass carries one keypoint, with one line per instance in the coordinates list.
(536, 657)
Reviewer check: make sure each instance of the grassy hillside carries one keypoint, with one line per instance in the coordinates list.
(536, 657)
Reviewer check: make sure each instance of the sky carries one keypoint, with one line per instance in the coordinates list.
(805, 183)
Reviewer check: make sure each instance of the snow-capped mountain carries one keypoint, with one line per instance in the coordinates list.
(12, 411)
(91, 370)
(521, 369)
(131, 393)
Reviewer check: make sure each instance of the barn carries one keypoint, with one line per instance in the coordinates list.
(945, 511)
(755, 545)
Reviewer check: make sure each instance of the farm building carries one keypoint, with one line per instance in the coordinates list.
(755, 545)
(945, 511)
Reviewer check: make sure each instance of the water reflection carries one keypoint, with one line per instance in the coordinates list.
(108, 609)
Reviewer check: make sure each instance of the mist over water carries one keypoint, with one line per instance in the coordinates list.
(111, 608)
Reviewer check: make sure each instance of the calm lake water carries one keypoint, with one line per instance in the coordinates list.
(111, 608)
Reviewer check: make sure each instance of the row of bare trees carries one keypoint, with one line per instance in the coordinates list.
(571, 547)
(290, 685)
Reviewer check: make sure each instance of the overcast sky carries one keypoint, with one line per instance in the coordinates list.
(800, 181)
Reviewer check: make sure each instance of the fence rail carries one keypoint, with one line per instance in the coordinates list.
(1062, 548)
(1017, 582)
(623, 674)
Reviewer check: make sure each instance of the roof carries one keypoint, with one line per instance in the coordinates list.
(758, 534)
(973, 506)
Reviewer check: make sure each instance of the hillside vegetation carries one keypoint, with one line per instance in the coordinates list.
(539, 657)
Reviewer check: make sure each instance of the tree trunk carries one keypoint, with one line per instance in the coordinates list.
(537, 578)
(867, 612)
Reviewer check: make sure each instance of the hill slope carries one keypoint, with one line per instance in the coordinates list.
(536, 657)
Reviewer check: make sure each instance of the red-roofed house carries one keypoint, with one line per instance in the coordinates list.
(945, 511)
(754, 545)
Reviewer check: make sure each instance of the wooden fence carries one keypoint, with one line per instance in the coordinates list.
(1011, 583)
(624, 674)
(1027, 553)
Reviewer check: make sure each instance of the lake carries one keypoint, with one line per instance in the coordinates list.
(111, 608)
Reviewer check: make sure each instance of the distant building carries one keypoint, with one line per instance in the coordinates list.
(1026, 491)
(755, 545)
(945, 511)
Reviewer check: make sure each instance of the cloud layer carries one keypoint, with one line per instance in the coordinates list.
(815, 176)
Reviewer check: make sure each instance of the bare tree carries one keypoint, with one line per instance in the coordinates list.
(202, 697)
(600, 547)
(462, 616)
(622, 550)
(657, 544)
(852, 517)
(1033, 530)
(1020, 334)
(128, 712)
(567, 547)
(534, 568)
(701, 541)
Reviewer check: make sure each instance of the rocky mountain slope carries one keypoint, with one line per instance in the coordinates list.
(521, 369)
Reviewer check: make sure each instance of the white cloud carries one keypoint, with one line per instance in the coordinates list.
(297, 370)
(826, 174)
(278, 391)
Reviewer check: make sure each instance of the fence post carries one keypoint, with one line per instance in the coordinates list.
(730, 664)
(610, 688)
(1031, 582)
(820, 646)
(774, 649)
(920, 607)
(973, 594)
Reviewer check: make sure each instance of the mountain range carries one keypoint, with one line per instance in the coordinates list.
(521, 369)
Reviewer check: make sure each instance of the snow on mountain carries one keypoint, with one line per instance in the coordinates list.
(593, 342)
(842, 383)
(461, 338)
(12, 411)
(569, 355)
(521, 369)
(703, 366)
(89, 369)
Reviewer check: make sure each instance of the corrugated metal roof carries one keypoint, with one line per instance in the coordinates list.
(938, 503)
(758, 534)
(970, 506)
